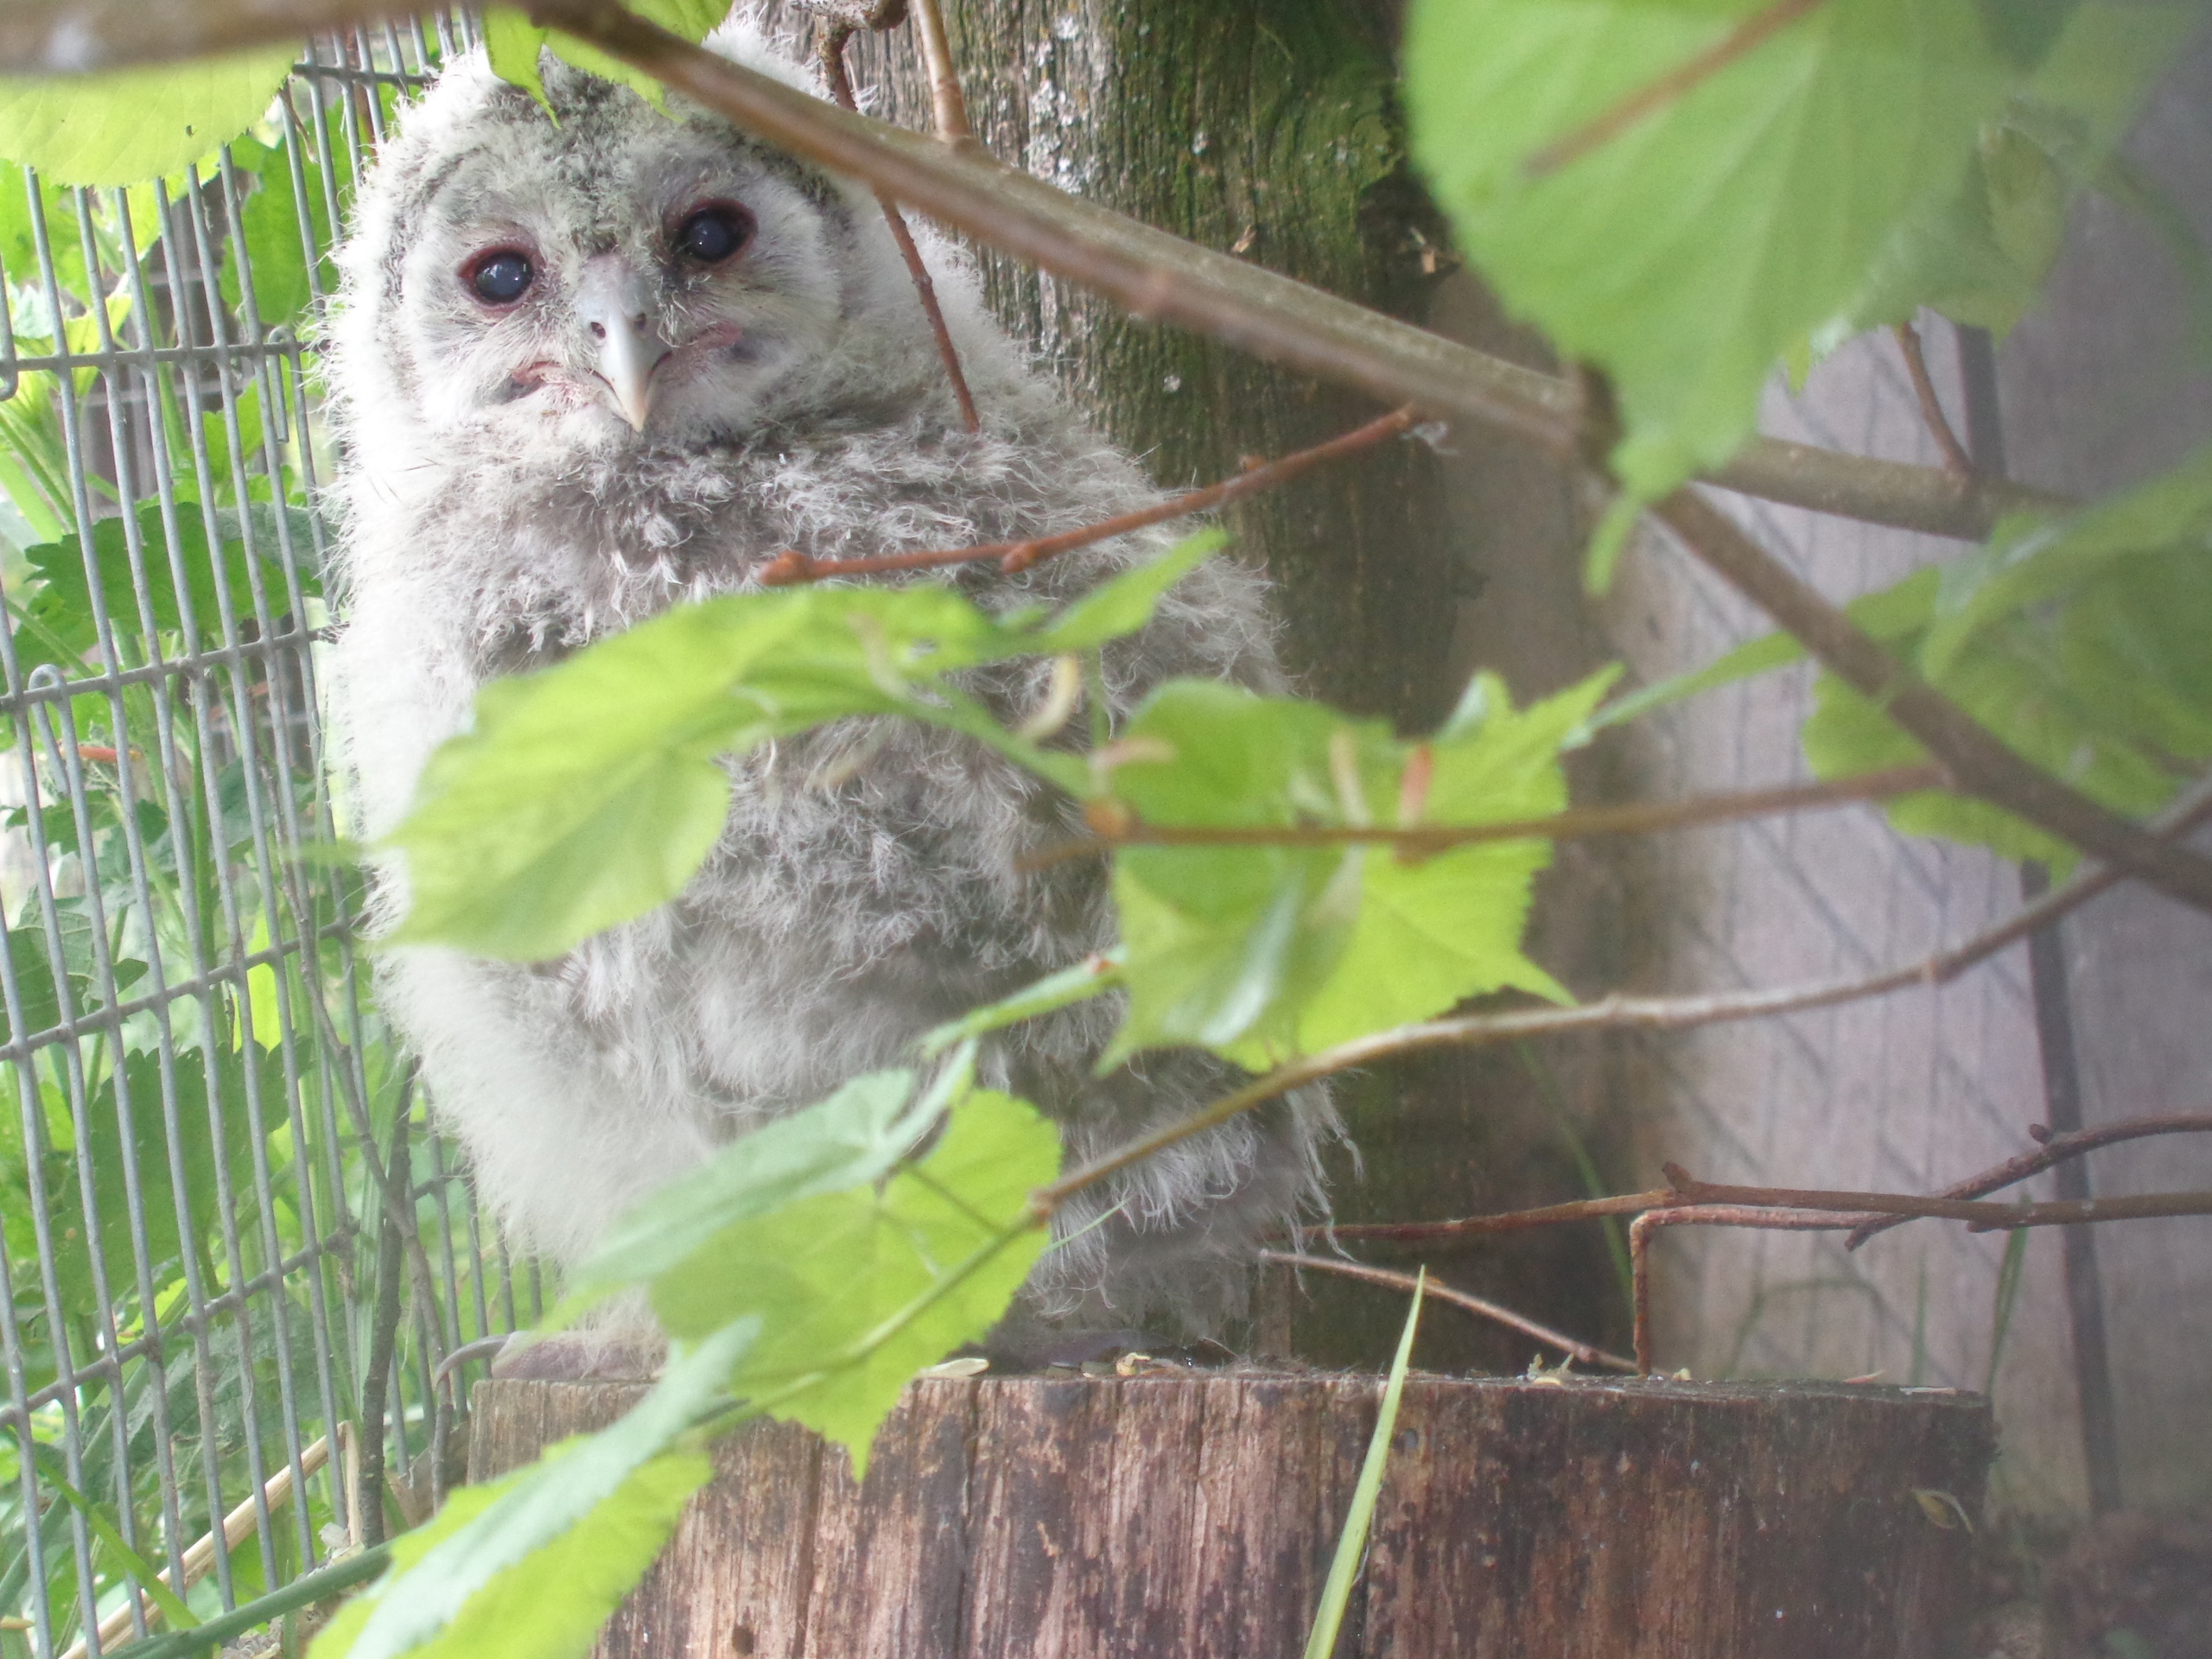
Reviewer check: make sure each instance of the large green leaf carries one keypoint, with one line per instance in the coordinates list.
(133, 125)
(1685, 252)
(590, 792)
(1980, 254)
(1226, 945)
(857, 1290)
(1261, 952)
(537, 1561)
(1435, 931)
(850, 1139)
(59, 625)
(2080, 643)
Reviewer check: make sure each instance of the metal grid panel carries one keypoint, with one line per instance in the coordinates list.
(196, 1247)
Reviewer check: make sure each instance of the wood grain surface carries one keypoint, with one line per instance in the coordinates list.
(1193, 1516)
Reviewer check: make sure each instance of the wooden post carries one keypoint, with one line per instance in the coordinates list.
(1194, 1515)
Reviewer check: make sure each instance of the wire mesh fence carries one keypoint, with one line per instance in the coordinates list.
(211, 1326)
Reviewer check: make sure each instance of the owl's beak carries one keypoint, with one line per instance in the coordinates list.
(615, 305)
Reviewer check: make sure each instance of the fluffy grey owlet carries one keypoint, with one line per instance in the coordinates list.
(585, 370)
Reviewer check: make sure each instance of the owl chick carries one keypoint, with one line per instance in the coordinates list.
(590, 363)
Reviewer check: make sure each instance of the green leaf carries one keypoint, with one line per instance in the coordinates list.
(1094, 976)
(133, 125)
(142, 1571)
(1686, 253)
(1352, 1542)
(2078, 642)
(289, 236)
(60, 625)
(536, 1569)
(1126, 603)
(514, 47)
(1433, 933)
(1262, 952)
(851, 1139)
(1226, 943)
(2030, 562)
(857, 1290)
(693, 20)
(589, 794)
(1980, 254)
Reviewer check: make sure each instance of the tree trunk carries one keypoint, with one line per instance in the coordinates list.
(1196, 1514)
(1267, 127)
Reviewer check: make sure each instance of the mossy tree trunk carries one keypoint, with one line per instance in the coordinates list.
(1268, 127)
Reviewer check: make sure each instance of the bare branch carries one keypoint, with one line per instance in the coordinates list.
(1481, 1307)
(1980, 764)
(791, 567)
(1956, 459)
(1981, 1216)
(1639, 1233)
(2055, 1149)
(1122, 829)
(1148, 272)
(1512, 1221)
(832, 52)
(948, 108)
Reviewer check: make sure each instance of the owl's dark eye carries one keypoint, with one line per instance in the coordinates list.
(713, 234)
(501, 276)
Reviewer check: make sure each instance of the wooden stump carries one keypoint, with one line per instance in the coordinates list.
(1193, 1516)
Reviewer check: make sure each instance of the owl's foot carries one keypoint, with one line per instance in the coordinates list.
(581, 1357)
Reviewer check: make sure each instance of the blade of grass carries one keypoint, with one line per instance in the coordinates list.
(1352, 1542)
(140, 1570)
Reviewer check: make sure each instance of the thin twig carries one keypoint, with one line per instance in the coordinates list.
(1647, 100)
(1977, 760)
(1981, 1216)
(1697, 1215)
(790, 566)
(1511, 1221)
(946, 104)
(1481, 1307)
(1122, 829)
(2057, 1149)
(834, 36)
(1956, 459)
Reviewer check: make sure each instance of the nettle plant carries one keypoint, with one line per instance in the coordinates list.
(1683, 195)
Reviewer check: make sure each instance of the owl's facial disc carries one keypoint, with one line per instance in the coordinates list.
(617, 310)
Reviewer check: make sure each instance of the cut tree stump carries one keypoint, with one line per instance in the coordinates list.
(1193, 1515)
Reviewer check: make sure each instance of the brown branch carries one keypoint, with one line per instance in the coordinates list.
(1739, 42)
(1012, 557)
(1481, 1307)
(1146, 271)
(2055, 1149)
(946, 106)
(1512, 1221)
(1980, 764)
(1699, 1215)
(1117, 826)
(1956, 459)
(832, 51)
(1981, 1216)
